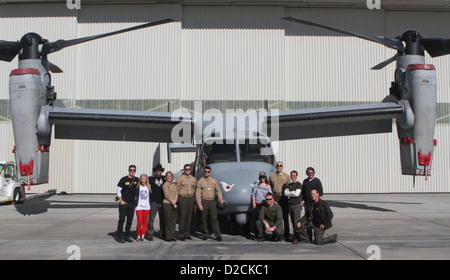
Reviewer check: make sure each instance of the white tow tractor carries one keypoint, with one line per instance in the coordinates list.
(10, 188)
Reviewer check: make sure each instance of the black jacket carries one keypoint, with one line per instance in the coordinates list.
(324, 211)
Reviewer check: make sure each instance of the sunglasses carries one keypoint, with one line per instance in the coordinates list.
(132, 170)
(186, 169)
(207, 171)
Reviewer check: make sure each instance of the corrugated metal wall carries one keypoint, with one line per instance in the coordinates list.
(234, 53)
(228, 57)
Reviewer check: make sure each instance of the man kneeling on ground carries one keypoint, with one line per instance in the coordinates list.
(270, 219)
(318, 217)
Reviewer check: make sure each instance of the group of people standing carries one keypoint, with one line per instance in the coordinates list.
(276, 202)
(141, 195)
(169, 198)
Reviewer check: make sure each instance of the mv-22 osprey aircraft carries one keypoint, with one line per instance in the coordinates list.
(234, 157)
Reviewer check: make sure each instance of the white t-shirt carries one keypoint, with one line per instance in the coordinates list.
(143, 199)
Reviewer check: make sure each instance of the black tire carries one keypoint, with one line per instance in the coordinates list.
(17, 197)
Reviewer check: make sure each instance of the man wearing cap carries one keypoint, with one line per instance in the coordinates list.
(260, 189)
(186, 184)
(207, 187)
(279, 182)
(156, 182)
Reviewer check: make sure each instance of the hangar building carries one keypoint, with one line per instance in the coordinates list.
(229, 55)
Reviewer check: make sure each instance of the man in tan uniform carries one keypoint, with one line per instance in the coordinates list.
(279, 182)
(186, 189)
(207, 187)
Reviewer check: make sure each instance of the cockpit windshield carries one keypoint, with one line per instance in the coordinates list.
(214, 153)
(255, 151)
(249, 151)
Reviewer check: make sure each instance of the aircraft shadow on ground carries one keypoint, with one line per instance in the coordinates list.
(363, 206)
(40, 205)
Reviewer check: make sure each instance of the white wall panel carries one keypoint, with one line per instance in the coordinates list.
(99, 165)
(351, 164)
(6, 141)
(325, 65)
(142, 64)
(233, 53)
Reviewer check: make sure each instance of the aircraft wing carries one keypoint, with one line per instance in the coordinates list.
(116, 125)
(144, 126)
(333, 121)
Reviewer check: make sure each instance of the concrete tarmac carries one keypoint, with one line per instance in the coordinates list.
(369, 226)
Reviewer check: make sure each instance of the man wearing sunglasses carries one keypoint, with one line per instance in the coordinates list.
(279, 182)
(207, 188)
(126, 193)
(270, 220)
(186, 184)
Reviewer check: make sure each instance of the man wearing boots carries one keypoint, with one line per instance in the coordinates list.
(156, 182)
(126, 193)
(270, 220)
(320, 216)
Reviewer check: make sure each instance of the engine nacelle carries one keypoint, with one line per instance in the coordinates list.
(28, 94)
(417, 142)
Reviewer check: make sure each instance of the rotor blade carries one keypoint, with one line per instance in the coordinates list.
(385, 63)
(60, 44)
(54, 68)
(9, 50)
(397, 45)
(436, 46)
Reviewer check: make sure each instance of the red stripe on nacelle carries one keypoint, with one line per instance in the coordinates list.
(421, 67)
(23, 71)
